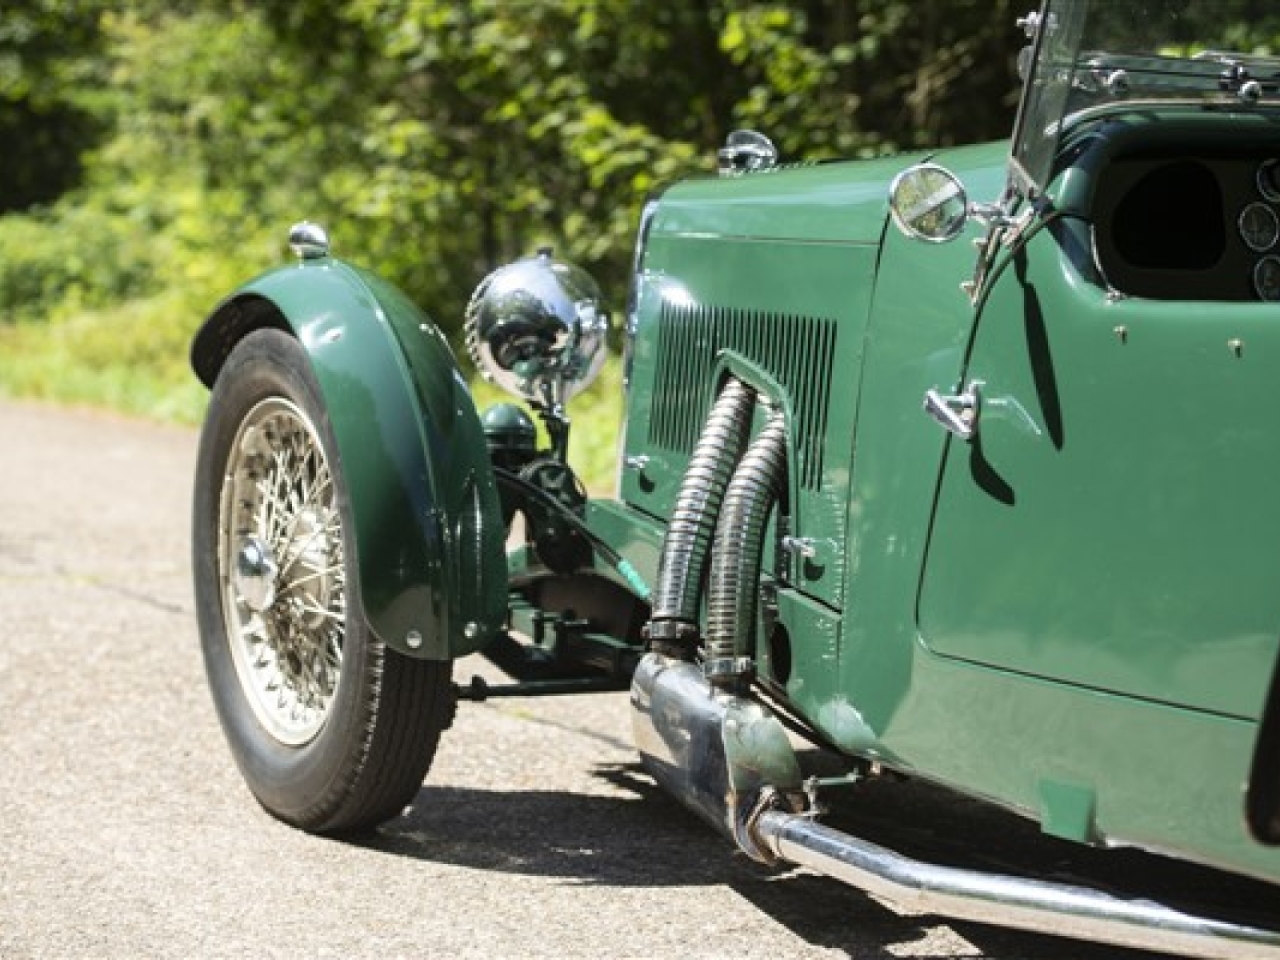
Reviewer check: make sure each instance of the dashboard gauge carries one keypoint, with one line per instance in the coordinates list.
(1269, 180)
(1259, 227)
(1266, 278)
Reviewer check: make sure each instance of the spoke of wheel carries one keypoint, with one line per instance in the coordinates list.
(318, 611)
(331, 570)
(315, 480)
(319, 483)
(283, 515)
(321, 673)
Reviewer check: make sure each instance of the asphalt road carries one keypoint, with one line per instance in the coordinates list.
(125, 830)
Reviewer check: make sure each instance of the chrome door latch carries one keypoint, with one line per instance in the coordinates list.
(805, 547)
(957, 414)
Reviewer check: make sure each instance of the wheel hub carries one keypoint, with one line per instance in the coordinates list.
(254, 574)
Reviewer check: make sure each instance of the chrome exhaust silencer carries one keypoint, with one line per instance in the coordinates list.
(717, 753)
(730, 761)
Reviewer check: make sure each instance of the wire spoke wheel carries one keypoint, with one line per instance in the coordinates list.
(332, 730)
(282, 567)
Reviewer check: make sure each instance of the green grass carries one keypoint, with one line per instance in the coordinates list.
(130, 358)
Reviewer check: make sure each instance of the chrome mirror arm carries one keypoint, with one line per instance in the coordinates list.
(993, 216)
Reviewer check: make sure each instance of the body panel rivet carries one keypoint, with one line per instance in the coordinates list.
(413, 639)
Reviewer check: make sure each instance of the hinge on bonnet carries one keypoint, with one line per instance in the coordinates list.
(1003, 230)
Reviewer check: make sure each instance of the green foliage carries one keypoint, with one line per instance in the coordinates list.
(55, 264)
(49, 57)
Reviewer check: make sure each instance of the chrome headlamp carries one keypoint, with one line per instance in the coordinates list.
(537, 328)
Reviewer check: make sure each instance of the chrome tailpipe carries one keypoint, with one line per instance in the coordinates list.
(729, 760)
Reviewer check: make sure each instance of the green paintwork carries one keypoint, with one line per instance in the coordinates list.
(632, 534)
(822, 203)
(775, 255)
(1137, 585)
(1047, 734)
(1095, 653)
(428, 529)
(1164, 778)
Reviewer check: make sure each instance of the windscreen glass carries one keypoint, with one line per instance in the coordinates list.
(1094, 56)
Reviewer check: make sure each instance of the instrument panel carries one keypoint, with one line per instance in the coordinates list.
(1200, 227)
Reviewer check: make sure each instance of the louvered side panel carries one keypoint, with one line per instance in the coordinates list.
(796, 351)
(685, 358)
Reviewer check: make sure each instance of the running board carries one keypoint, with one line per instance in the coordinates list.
(729, 760)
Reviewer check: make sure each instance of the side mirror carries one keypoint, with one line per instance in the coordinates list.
(928, 203)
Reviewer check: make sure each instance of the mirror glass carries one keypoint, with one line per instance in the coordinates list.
(928, 203)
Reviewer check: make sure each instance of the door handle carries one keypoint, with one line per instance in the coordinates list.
(957, 413)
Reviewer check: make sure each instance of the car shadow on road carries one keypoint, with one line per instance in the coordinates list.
(639, 837)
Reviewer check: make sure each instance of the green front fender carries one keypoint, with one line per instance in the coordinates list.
(428, 528)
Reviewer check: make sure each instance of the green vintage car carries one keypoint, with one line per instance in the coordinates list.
(998, 513)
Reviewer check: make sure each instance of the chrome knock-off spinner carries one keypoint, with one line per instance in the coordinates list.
(254, 574)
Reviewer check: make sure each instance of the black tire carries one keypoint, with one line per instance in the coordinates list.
(344, 737)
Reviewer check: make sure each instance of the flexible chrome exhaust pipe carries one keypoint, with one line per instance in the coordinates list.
(1005, 901)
